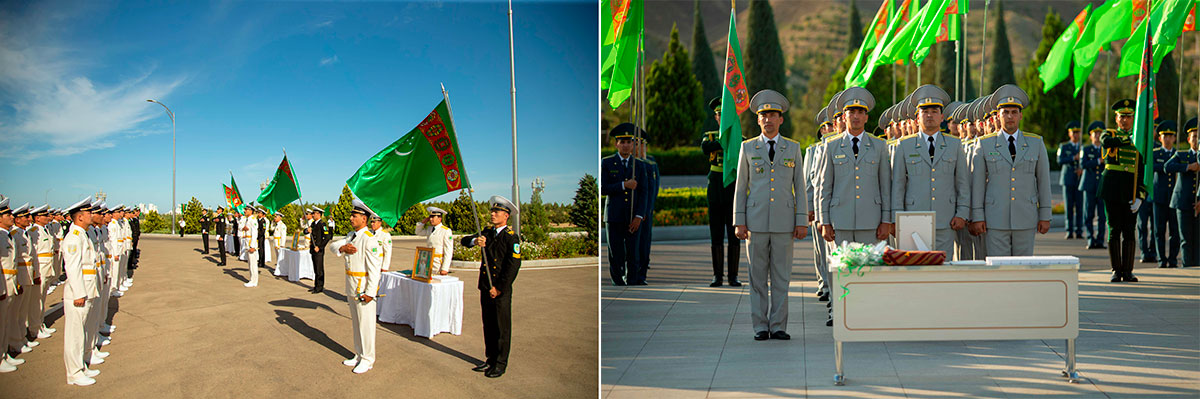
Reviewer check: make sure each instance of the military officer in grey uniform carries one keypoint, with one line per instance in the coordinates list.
(929, 171)
(1010, 164)
(1186, 165)
(1165, 222)
(770, 210)
(1092, 162)
(854, 198)
(820, 262)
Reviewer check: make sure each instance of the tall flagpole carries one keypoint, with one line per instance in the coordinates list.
(1107, 83)
(512, 68)
(471, 192)
(1083, 107)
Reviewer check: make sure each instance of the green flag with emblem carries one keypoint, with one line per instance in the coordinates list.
(1143, 117)
(735, 99)
(1057, 66)
(283, 188)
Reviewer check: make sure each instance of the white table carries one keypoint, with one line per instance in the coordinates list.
(971, 301)
(294, 264)
(429, 308)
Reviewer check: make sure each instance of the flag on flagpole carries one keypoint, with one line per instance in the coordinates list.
(283, 188)
(228, 195)
(1168, 17)
(876, 32)
(735, 99)
(422, 164)
(932, 19)
(1189, 25)
(1058, 62)
(1108, 22)
(235, 196)
(619, 48)
(898, 20)
(951, 29)
(1143, 118)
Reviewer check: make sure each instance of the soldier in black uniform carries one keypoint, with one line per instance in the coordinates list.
(237, 243)
(205, 224)
(135, 225)
(623, 180)
(320, 237)
(1122, 190)
(720, 206)
(501, 262)
(219, 221)
(261, 220)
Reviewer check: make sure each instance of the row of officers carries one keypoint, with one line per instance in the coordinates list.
(89, 249)
(986, 180)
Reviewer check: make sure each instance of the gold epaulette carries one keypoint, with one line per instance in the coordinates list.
(1032, 135)
(986, 136)
(831, 138)
(749, 139)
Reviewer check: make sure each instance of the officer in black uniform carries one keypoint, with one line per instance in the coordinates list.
(720, 207)
(650, 165)
(622, 180)
(135, 225)
(261, 221)
(1186, 166)
(205, 224)
(1165, 223)
(219, 228)
(501, 262)
(1122, 190)
(320, 237)
(237, 243)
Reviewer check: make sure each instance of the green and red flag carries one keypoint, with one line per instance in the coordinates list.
(1169, 17)
(1143, 117)
(951, 28)
(1108, 22)
(929, 22)
(283, 188)
(622, 28)
(1057, 66)
(1189, 25)
(422, 164)
(896, 22)
(735, 99)
(228, 195)
(235, 195)
(876, 31)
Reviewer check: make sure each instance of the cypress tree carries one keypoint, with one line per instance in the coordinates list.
(1167, 90)
(704, 66)
(674, 109)
(1048, 113)
(1001, 72)
(764, 64)
(856, 28)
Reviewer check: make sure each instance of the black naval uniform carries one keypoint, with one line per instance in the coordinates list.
(503, 262)
(220, 230)
(237, 243)
(205, 223)
(135, 226)
(262, 262)
(320, 237)
(1120, 182)
(720, 211)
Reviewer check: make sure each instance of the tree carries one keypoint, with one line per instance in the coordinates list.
(192, 211)
(856, 28)
(459, 217)
(674, 109)
(945, 56)
(408, 221)
(585, 210)
(291, 216)
(704, 66)
(153, 222)
(764, 63)
(880, 86)
(339, 212)
(535, 224)
(1001, 72)
(1167, 86)
(1048, 113)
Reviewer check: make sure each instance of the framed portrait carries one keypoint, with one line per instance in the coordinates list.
(421, 270)
(915, 230)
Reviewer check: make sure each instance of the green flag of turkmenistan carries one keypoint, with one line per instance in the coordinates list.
(623, 36)
(734, 100)
(422, 164)
(929, 23)
(1143, 118)
(897, 21)
(1108, 22)
(236, 195)
(283, 188)
(1058, 62)
(1169, 17)
(875, 33)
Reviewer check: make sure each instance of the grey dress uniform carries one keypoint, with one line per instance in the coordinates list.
(939, 183)
(855, 192)
(770, 200)
(1011, 194)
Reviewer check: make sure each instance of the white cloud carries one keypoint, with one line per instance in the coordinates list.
(325, 24)
(329, 60)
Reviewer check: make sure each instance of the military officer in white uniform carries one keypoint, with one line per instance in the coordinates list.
(1010, 189)
(279, 235)
(43, 248)
(854, 199)
(79, 294)
(929, 171)
(362, 285)
(98, 311)
(385, 242)
(440, 238)
(8, 291)
(770, 210)
(30, 279)
(250, 244)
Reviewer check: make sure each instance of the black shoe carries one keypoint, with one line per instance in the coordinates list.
(824, 297)
(829, 321)
(761, 336)
(1129, 277)
(482, 368)
(733, 282)
(1116, 277)
(1070, 236)
(780, 335)
(716, 282)
(318, 290)
(1149, 259)
(619, 284)
(494, 372)
(638, 283)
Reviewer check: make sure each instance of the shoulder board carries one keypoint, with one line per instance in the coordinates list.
(370, 234)
(907, 137)
(789, 140)
(76, 232)
(1159, 149)
(1027, 134)
(749, 140)
(443, 227)
(509, 231)
(832, 137)
(986, 136)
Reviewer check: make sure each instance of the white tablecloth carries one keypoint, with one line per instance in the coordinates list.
(429, 308)
(295, 265)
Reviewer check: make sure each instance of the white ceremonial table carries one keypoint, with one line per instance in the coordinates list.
(429, 308)
(962, 301)
(294, 264)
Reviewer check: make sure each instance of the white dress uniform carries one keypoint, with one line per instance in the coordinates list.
(28, 299)
(98, 311)
(362, 278)
(8, 265)
(43, 246)
(385, 248)
(279, 238)
(116, 248)
(441, 239)
(79, 264)
(250, 241)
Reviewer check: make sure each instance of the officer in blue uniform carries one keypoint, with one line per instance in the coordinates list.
(1092, 163)
(1184, 164)
(648, 163)
(620, 175)
(1165, 222)
(1069, 154)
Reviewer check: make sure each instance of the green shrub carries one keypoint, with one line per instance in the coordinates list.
(571, 246)
(688, 160)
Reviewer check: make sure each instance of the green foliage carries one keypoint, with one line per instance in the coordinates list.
(459, 214)
(1048, 113)
(192, 211)
(674, 109)
(880, 86)
(555, 247)
(585, 210)
(408, 221)
(1166, 83)
(340, 212)
(291, 216)
(152, 222)
(764, 64)
(681, 216)
(704, 66)
(944, 54)
(535, 223)
(684, 197)
(856, 28)
(558, 213)
(1001, 71)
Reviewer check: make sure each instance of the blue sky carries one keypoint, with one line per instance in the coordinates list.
(332, 82)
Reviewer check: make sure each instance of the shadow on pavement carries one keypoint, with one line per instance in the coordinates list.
(301, 303)
(407, 332)
(289, 319)
(231, 272)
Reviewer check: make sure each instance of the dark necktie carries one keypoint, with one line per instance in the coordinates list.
(771, 151)
(1012, 147)
(930, 148)
(854, 142)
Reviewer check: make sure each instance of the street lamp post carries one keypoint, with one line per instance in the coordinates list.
(172, 115)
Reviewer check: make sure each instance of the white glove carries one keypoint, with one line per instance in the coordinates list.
(1136, 203)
